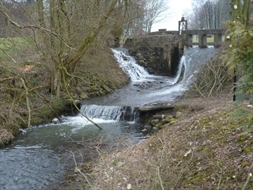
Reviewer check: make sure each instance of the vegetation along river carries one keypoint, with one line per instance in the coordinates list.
(41, 157)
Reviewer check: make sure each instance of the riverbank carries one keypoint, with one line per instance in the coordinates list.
(208, 147)
(25, 89)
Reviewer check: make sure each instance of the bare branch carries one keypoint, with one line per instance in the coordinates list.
(33, 27)
(27, 103)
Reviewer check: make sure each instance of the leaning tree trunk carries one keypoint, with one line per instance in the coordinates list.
(90, 37)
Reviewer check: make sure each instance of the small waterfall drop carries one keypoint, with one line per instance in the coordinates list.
(179, 71)
(145, 88)
(111, 113)
(129, 66)
(104, 112)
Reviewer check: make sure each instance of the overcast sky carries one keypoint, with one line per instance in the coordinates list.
(176, 9)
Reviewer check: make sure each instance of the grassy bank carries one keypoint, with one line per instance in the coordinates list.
(25, 96)
(208, 148)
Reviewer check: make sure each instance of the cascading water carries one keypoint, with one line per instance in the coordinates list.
(144, 88)
(111, 113)
(129, 66)
(35, 159)
(190, 64)
(148, 89)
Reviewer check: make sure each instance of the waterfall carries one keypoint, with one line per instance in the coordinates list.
(115, 113)
(129, 66)
(179, 71)
(103, 112)
(190, 64)
(145, 88)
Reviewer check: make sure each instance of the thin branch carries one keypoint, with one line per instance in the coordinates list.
(33, 27)
(199, 91)
(27, 103)
(8, 55)
(78, 170)
(73, 101)
(4, 79)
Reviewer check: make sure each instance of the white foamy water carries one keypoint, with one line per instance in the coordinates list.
(129, 66)
(136, 72)
(143, 89)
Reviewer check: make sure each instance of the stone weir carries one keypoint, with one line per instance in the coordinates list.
(157, 111)
(159, 54)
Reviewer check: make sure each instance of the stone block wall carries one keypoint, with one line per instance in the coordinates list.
(159, 54)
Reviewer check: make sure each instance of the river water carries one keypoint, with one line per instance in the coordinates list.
(41, 157)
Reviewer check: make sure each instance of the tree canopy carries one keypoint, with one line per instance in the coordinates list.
(210, 14)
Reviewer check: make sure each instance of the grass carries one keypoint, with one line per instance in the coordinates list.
(210, 39)
(205, 150)
(10, 46)
(98, 74)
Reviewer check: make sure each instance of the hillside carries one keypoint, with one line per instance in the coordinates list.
(25, 88)
(207, 148)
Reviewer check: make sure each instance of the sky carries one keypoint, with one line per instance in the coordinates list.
(176, 9)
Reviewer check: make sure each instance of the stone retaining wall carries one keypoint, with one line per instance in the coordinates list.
(159, 54)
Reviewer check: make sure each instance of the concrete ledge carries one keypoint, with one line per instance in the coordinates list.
(148, 111)
(156, 107)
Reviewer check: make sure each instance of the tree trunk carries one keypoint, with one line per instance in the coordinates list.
(90, 37)
(40, 7)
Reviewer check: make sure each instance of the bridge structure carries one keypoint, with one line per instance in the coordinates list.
(197, 37)
(160, 52)
(202, 36)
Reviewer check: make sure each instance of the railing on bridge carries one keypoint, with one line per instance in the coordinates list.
(202, 37)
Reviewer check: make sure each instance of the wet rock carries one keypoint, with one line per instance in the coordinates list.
(125, 58)
(178, 114)
(55, 120)
(144, 130)
(160, 116)
(148, 127)
(154, 122)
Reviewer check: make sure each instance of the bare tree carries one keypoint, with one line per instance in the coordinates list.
(143, 14)
(153, 12)
(64, 30)
(209, 14)
(134, 24)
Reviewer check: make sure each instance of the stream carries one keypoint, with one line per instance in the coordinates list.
(41, 157)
